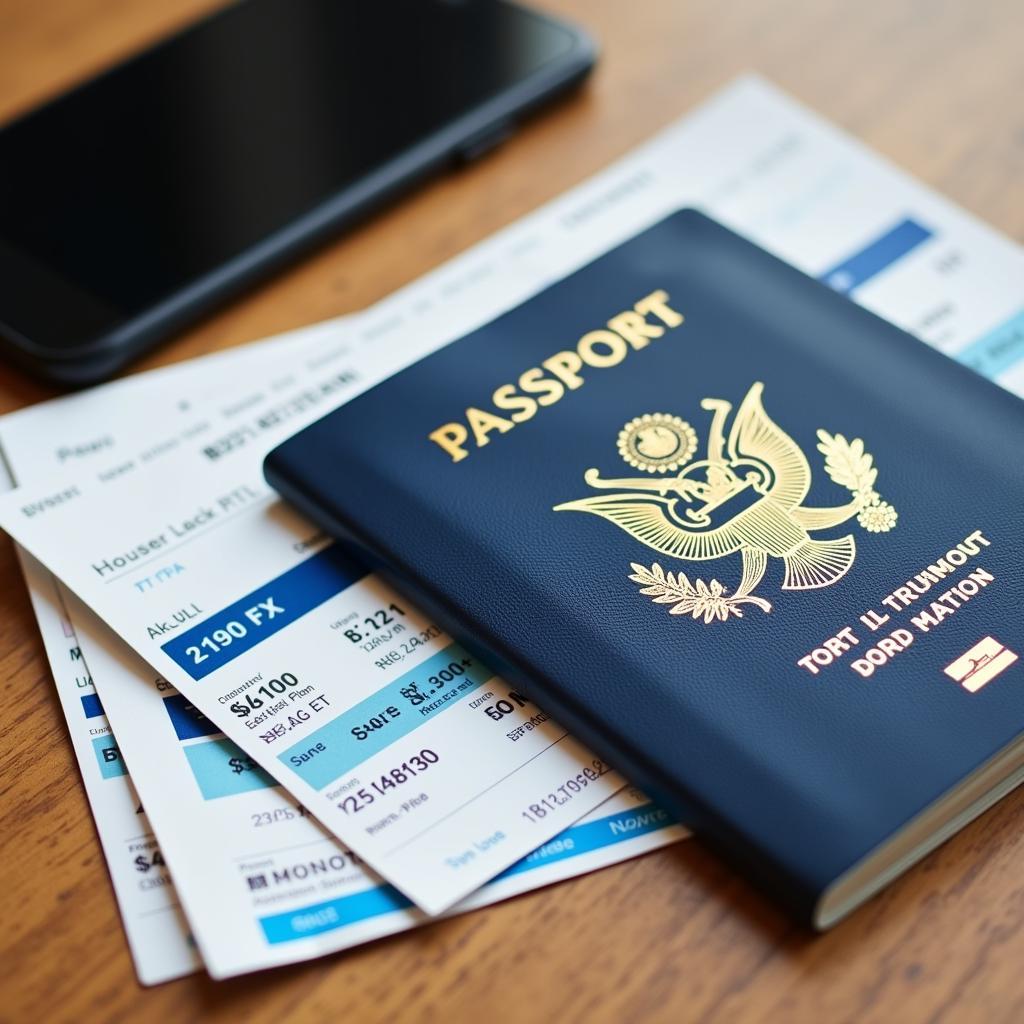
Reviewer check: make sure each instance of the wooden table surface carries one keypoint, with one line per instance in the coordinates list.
(937, 86)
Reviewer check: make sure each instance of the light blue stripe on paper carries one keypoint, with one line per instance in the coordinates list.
(994, 353)
(109, 757)
(221, 769)
(333, 914)
(594, 835)
(333, 750)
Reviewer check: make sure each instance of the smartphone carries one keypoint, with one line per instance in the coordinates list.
(147, 195)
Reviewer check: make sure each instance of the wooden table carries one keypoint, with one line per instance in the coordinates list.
(674, 936)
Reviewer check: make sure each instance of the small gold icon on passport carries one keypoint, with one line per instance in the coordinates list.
(657, 442)
(981, 664)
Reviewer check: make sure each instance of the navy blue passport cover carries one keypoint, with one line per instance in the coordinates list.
(757, 547)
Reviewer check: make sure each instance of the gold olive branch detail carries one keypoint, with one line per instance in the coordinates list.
(699, 598)
(850, 466)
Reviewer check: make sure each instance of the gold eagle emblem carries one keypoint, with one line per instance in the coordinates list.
(745, 496)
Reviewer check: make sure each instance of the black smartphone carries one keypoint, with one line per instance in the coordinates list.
(139, 200)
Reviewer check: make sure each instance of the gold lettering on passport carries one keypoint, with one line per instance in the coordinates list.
(548, 383)
(929, 598)
(744, 496)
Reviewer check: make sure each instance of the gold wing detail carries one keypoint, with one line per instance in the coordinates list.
(648, 518)
(756, 436)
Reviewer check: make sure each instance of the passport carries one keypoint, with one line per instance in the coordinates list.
(759, 548)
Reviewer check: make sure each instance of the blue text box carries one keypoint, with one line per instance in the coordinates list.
(875, 257)
(188, 721)
(343, 751)
(211, 764)
(331, 914)
(91, 705)
(108, 757)
(296, 592)
(594, 835)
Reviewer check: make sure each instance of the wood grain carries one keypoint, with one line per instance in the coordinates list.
(934, 84)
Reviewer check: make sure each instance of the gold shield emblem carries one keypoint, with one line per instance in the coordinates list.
(745, 496)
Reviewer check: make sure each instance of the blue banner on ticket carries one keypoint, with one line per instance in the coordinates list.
(254, 618)
(392, 712)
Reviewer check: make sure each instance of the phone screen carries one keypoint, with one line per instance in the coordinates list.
(158, 172)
